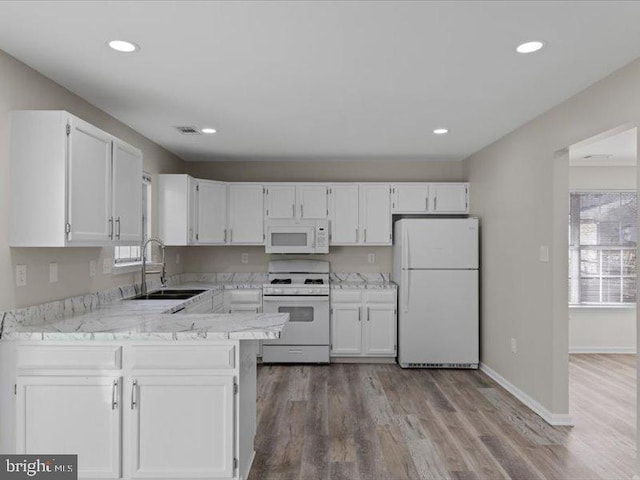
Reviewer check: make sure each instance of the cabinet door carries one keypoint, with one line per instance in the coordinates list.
(281, 201)
(344, 214)
(192, 210)
(212, 212)
(346, 329)
(375, 213)
(380, 330)
(89, 186)
(312, 201)
(71, 415)
(449, 198)
(410, 198)
(127, 193)
(246, 214)
(198, 410)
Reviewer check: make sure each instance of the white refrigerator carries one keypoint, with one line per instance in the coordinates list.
(435, 264)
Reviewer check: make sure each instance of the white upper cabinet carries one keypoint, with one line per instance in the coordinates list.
(127, 193)
(212, 212)
(177, 206)
(89, 170)
(449, 198)
(375, 213)
(410, 198)
(312, 201)
(246, 217)
(296, 201)
(72, 184)
(343, 214)
(281, 201)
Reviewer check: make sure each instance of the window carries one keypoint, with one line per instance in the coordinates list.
(602, 248)
(131, 255)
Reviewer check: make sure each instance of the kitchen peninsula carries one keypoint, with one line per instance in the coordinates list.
(136, 388)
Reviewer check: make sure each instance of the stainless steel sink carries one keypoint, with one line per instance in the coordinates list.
(168, 294)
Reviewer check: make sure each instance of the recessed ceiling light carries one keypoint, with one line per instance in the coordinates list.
(440, 131)
(123, 46)
(208, 130)
(529, 47)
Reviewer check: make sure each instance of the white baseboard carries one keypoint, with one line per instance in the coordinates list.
(555, 419)
(626, 350)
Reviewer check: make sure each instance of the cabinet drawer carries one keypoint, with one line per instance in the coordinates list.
(346, 296)
(245, 296)
(291, 354)
(69, 357)
(193, 357)
(380, 296)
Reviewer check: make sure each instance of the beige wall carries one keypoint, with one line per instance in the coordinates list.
(22, 88)
(343, 259)
(519, 189)
(327, 171)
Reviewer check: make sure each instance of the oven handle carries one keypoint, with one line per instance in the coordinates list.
(296, 298)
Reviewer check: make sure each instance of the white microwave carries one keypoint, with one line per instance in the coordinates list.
(297, 236)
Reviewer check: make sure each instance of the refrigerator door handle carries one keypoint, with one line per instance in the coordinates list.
(405, 292)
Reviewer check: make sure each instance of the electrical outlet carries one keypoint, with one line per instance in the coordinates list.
(53, 272)
(544, 253)
(92, 268)
(106, 265)
(177, 258)
(21, 275)
(244, 258)
(371, 258)
(514, 346)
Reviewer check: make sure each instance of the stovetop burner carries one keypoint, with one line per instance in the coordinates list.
(313, 281)
(281, 281)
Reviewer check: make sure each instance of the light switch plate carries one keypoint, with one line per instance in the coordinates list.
(544, 253)
(92, 268)
(177, 258)
(371, 258)
(106, 265)
(21, 275)
(53, 272)
(514, 345)
(244, 258)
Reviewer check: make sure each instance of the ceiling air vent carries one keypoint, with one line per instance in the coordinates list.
(188, 130)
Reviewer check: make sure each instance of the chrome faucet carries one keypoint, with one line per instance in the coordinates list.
(163, 265)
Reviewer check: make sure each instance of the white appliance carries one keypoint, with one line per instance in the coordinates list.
(435, 264)
(301, 289)
(297, 236)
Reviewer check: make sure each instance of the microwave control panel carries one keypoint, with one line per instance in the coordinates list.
(321, 237)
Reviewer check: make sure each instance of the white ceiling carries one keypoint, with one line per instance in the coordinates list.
(316, 80)
(616, 150)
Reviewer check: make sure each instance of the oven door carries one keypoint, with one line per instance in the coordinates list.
(290, 239)
(308, 319)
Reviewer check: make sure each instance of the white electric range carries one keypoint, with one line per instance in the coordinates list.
(301, 289)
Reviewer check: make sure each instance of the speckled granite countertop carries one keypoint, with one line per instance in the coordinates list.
(371, 281)
(148, 320)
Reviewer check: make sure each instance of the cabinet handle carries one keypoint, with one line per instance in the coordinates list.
(356, 234)
(293, 210)
(301, 211)
(231, 235)
(134, 394)
(426, 201)
(114, 395)
(368, 319)
(365, 235)
(118, 228)
(435, 204)
(225, 235)
(359, 314)
(111, 228)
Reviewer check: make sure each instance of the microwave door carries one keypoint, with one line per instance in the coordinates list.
(289, 240)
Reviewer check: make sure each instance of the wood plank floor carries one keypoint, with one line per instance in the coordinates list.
(370, 422)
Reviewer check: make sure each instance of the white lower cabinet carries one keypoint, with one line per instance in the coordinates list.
(72, 415)
(182, 427)
(166, 410)
(363, 324)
